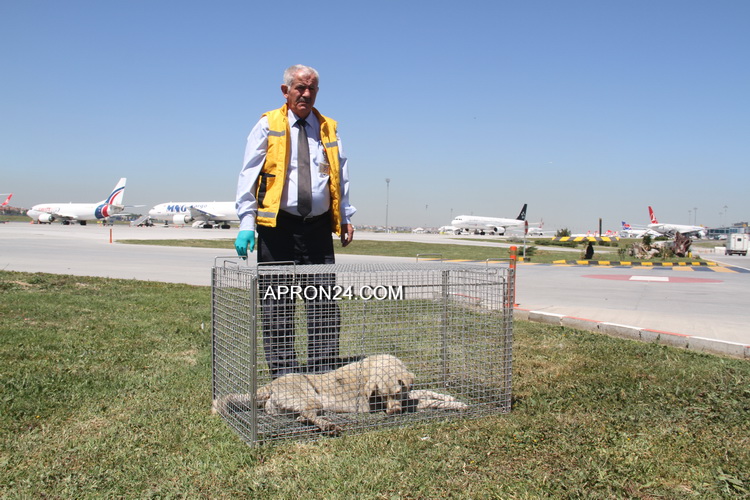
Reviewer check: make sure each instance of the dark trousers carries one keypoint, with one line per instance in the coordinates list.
(298, 242)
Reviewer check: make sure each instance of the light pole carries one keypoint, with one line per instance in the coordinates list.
(695, 215)
(387, 195)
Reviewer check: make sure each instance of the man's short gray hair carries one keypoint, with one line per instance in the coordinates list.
(291, 71)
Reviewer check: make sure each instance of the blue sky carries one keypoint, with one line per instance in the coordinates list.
(582, 109)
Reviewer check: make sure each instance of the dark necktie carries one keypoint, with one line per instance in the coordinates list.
(304, 188)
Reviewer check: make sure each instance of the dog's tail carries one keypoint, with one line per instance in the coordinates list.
(231, 403)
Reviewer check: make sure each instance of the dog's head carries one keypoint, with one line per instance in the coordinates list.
(387, 393)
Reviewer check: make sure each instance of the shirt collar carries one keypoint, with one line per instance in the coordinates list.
(312, 119)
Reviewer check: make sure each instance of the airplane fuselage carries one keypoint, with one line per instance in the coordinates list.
(496, 225)
(672, 229)
(80, 212)
(492, 225)
(72, 212)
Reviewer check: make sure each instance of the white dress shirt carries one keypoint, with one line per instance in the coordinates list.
(255, 157)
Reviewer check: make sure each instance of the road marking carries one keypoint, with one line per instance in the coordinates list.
(651, 279)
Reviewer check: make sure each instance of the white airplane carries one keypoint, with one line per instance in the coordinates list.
(629, 231)
(199, 213)
(80, 212)
(531, 229)
(536, 231)
(492, 225)
(7, 200)
(447, 230)
(671, 229)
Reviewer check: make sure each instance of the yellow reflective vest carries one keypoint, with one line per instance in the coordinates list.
(273, 173)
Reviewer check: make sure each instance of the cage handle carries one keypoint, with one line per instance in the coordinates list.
(280, 263)
(226, 259)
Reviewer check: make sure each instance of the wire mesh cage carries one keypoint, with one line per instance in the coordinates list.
(304, 351)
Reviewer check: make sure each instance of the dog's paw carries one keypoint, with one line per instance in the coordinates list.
(325, 425)
(393, 407)
(332, 430)
(426, 394)
(439, 404)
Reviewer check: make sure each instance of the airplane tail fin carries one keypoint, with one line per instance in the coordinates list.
(7, 200)
(522, 215)
(625, 225)
(117, 194)
(653, 217)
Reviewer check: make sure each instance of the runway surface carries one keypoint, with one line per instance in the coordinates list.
(709, 302)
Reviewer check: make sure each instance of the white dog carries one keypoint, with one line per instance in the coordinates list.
(376, 383)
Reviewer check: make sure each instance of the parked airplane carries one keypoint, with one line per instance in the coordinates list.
(671, 229)
(7, 200)
(536, 231)
(629, 231)
(448, 230)
(200, 213)
(81, 212)
(493, 225)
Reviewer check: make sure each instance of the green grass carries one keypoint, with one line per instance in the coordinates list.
(446, 251)
(106, 393)
(409, 249)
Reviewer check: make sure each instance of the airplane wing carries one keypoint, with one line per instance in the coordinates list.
(198, 213)
(64, 216)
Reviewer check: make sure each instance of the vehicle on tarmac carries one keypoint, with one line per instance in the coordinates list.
(737, 244)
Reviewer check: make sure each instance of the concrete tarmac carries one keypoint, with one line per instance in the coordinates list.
(702, 302)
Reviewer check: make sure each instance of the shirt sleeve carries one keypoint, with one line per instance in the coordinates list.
(247, 185)
(347, 210)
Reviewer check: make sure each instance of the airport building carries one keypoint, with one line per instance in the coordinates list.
(721, 233)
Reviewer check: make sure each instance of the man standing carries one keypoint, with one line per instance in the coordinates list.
(294, 190)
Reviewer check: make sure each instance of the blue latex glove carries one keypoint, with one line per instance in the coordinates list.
(245, 241)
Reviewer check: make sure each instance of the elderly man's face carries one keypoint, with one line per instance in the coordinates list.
(300, 96)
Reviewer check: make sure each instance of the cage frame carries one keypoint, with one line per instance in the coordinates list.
(240, 368)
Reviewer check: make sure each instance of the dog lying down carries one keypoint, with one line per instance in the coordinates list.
(376, 383)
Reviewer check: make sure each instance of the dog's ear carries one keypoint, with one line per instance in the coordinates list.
(371, 388)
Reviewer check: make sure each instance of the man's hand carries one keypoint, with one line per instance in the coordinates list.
(245, 241)
(347, 234)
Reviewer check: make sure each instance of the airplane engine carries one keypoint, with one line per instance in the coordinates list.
(46, 218)
(499, 230)
(182, 219)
